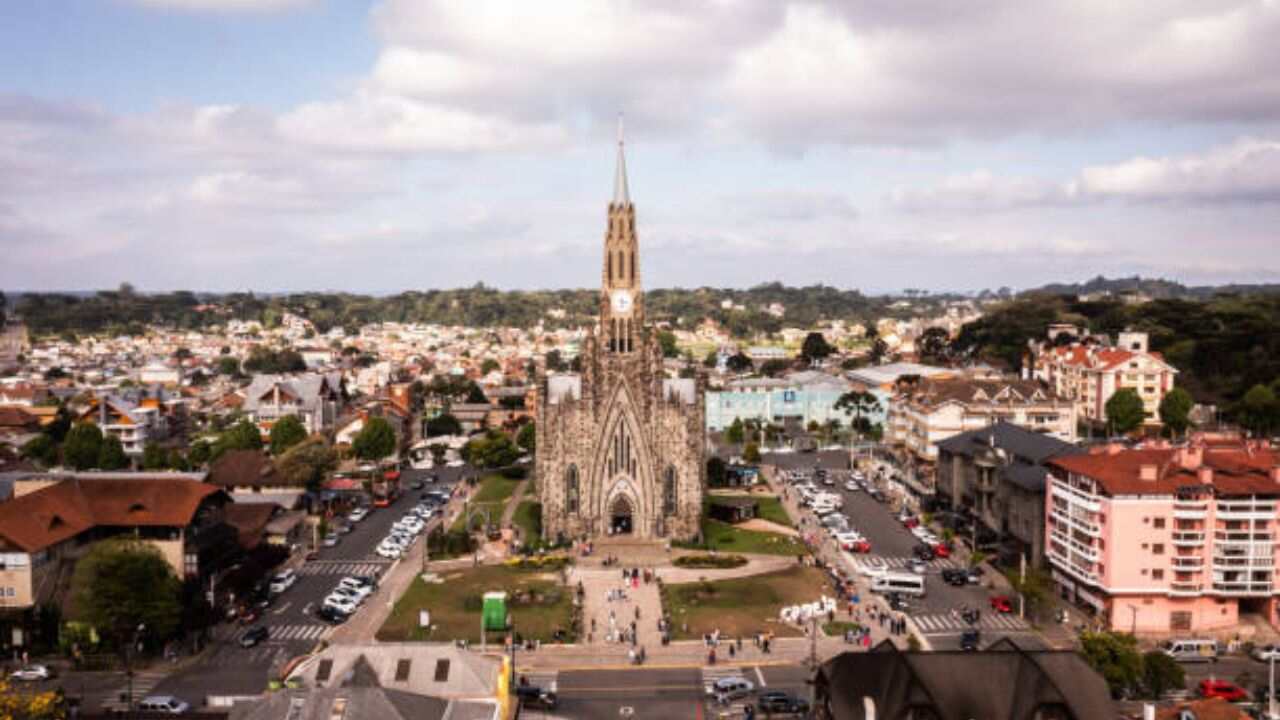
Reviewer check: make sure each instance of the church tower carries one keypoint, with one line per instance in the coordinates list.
(621, 302)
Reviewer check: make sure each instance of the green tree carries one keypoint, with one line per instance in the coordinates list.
(200, 453)
(738, 363)
(815, 348)
(878, 352)
(42, 449)
(860, 403)
(1115, 657)
(228, 366)
(61, 425)
(111, 454)
(1036, 587)
(934, 346)
(774, 367)
(375, 441)
(494, 449)
(82, 446)
(1161, 674)
(443, 424)
(285, 433)
(106, 590)
(244, 435)
(717, 472)
(751, 453)
(307, 463)
(154, 457)
(476, 396)
(1258, 409)
(1175, 410)
(555, 361)
(1124, 411)
(527, 437)
(711, 360)
(488, 366)
(667, 341)
(734, 434)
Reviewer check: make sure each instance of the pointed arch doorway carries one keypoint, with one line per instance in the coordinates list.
(621, 521)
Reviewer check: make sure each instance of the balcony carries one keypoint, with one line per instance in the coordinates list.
(1184, 538)
(1071, 521)
(1076, 497)
(1178, 587)
(1264, 512)
(1187, 562)
(1235, 562)
(1190, 510)
(1242, 587)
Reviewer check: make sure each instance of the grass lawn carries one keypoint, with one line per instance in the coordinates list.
(495, 516)
(539, 605)
(839, 627)
(528, 518)
(723, 536)
(494, 489)
(742, 606)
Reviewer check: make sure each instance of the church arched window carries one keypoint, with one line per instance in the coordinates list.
(571, 490)
(669, 491)
(633, 266)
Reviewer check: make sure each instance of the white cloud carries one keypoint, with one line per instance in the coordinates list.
(1247, 170)
(230, 6)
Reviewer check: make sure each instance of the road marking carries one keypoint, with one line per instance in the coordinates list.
(307, 610)
(760, 677)
(282, 608)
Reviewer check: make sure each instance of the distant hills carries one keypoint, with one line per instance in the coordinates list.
(1155, 288)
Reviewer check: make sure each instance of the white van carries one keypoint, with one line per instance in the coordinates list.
(167, 704)
(1192, 650)
(902, 583)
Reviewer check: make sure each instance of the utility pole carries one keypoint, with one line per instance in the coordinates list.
(1022, 584)
(1271, 689)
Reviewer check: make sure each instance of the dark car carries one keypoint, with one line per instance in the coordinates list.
(896, 602)
(532, 696)
(923, 552)
(331, 615)
(969, 640)
(417, 485)
(776, 701)
(955, 577)
(254, 636)
(878, 496)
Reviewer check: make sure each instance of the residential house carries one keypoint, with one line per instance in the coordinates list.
(132, 424)
(314, 398)
(44, 533)
(1161, 539)
(1088, 374)
(17, 426)
(1002, 682)
(997, 474)
(923, 414)
(251, 477)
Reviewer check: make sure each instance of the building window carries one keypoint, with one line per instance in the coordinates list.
(192, 564)
(1180, 620)
(1157, 574)
(571, 490)
(1158, 523)
(669, 492)
(1157, 549)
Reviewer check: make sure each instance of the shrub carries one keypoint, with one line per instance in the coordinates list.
(710, 561)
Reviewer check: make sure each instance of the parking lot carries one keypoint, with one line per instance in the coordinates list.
(936, 615)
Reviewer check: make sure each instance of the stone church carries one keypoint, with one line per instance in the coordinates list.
(620, 445)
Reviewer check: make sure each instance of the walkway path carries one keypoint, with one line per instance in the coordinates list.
(611, 604)
(513, 502)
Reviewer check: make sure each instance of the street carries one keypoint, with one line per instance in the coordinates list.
(659, 693)
(225, 668)
(936, 614)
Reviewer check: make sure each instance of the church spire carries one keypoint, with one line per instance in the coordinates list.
(620, 195)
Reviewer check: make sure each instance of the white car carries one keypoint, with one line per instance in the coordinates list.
(358, 514)
(851, 486)
(351, 594)
(917, 566)
(282, 581)
(32, 673)
(455, 463)
(873, 568)
(390, 552)
(342, 605)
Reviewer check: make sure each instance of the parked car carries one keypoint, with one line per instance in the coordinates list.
(166, 704)
(254, 636)
(923, 552)
(330, 539)
(778, 701)
(1001, 604)
(282, 581)
(1229, 691)
(332, 615)
(358, 514)
(341, 604)
(32, 673)
(955, 577)
(1266, 653)
(942, 550)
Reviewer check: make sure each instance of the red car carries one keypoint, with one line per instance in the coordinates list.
(1001, 604)
(862, 546)
(1228, 691)
(941, 550)
(910, 522)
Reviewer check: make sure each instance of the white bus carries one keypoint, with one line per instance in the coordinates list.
(902, 583)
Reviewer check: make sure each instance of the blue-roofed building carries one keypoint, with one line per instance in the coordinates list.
(808, 396)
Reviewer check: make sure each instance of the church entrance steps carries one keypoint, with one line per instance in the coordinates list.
(631, 552)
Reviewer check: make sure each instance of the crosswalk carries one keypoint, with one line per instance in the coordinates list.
(310, 631)
(712, 673)
(900, 563)
(948, 624)
(144, 681)
(336, 567)
(265, 655)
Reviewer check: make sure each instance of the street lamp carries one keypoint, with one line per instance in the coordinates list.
(128, 663)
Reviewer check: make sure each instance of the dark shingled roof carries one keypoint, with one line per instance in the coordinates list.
(1002, 682)
(1027, 451)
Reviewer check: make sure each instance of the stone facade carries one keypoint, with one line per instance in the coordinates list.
(620, 446)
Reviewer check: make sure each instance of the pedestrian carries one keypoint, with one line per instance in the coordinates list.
(637, 612)
(739, 643)
(731, 653)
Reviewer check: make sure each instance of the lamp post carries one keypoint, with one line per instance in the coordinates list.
(1271, 687)
(128, 664)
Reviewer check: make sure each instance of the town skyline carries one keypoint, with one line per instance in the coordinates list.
(393, 145)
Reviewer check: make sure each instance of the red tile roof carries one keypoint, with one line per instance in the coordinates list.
(51, 515)
(1235, 470)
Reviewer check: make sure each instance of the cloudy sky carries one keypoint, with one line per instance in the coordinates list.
(407, 144)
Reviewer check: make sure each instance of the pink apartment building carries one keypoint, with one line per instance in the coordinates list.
(1167, 540)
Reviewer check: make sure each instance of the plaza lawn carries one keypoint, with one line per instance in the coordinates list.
(539, 605)
(472, 510)
(528, 518)
(742, 606)
(726, 537)
(494, 489)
